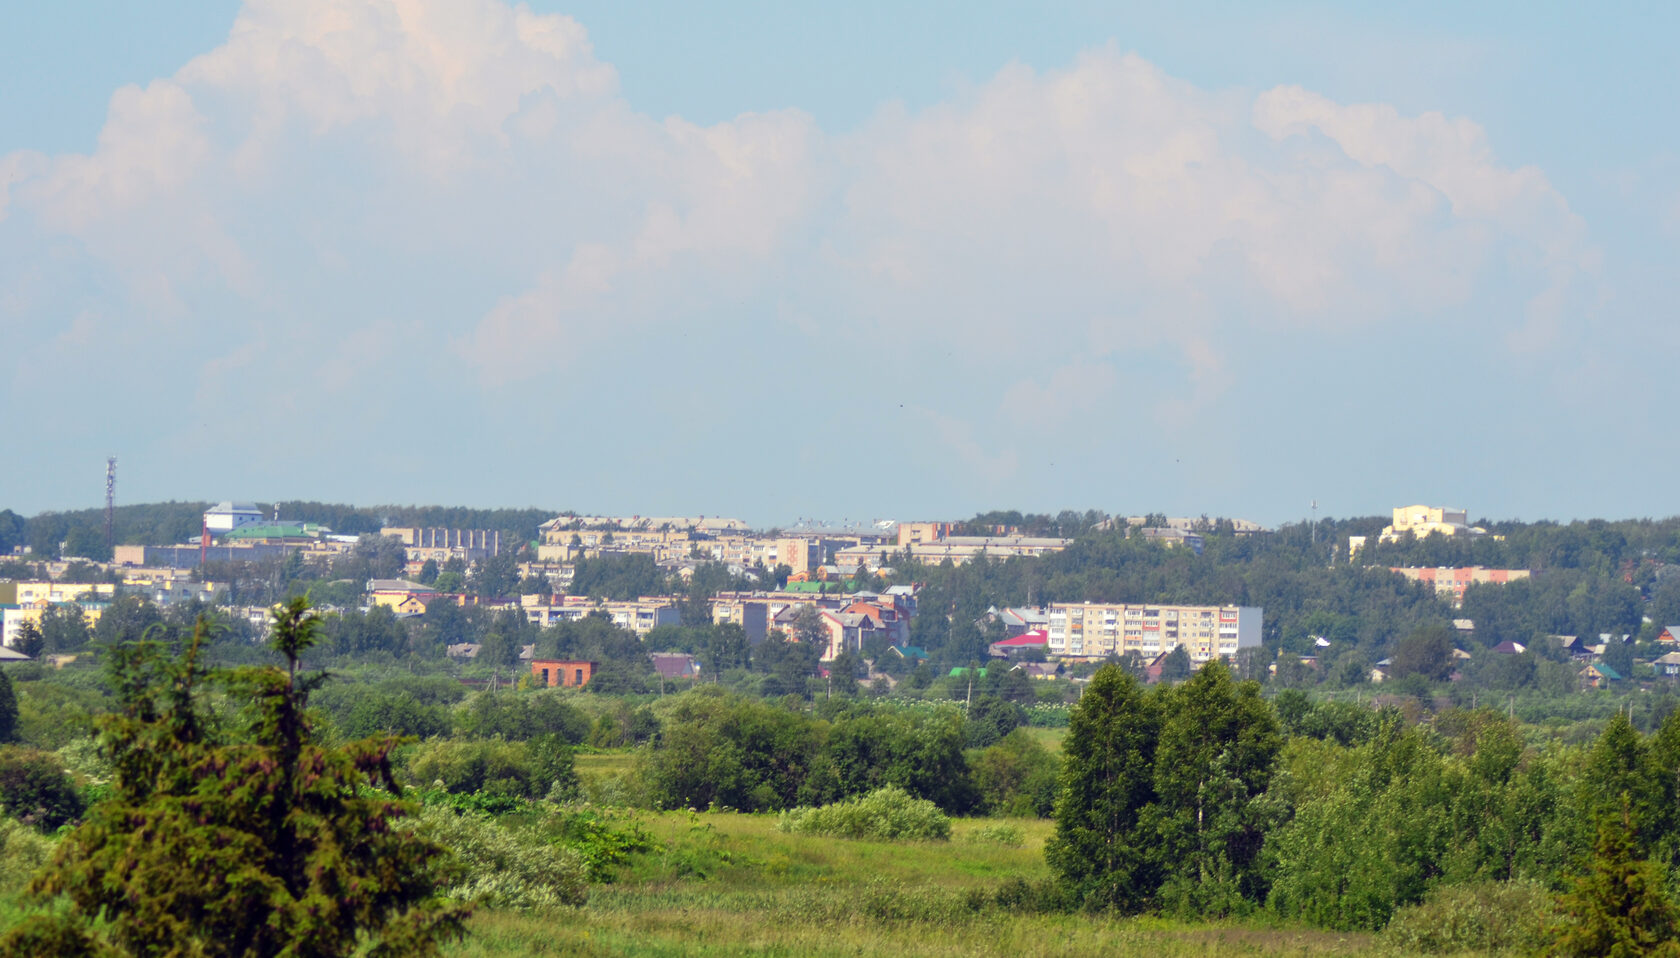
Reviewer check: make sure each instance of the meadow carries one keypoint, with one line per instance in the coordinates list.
(723, 883)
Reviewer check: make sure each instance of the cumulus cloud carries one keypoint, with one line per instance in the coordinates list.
(466, 174)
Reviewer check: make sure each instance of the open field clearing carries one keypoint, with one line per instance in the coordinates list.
(728, 884)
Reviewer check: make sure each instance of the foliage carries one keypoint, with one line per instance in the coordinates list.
(996, 833)
(600, 839)
(867, 747)
(1213, 763)
(8, 709)
(1618, 908)
(491, 766)
(886, 814)
(721, 749)
(1101, 852)
(1017, 777)
(35, 789)
(503, 866)
(1484, 917)
(262, 842)
(22, 850)
(64, 628)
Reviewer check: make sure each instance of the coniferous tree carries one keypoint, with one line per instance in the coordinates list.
(1618, 909)
(263, 844)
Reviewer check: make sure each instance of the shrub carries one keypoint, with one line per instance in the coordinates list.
(502, 768)
(601, 841)
(35, 789)
(1480, 917)
(22, 851)
(886, 813)
(1017, 777)
(996, 833)
(506, 867)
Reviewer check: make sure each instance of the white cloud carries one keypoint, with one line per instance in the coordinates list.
(466, 173)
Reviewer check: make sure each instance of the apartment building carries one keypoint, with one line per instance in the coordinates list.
(1449, 583)
(957, 549)
(560, 544)
(640, 616)
(1096, 630)
(768, 551)
(440, 544)
(55, 593)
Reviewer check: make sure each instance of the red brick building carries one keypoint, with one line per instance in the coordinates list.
(567, 673)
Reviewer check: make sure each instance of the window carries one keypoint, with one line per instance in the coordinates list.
(579, 676)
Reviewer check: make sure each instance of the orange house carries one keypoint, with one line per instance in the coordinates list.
(569, 673)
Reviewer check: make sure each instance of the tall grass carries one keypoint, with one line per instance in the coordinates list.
(886, 814)
(766, 891)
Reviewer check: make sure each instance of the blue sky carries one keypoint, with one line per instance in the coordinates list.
(851, 263)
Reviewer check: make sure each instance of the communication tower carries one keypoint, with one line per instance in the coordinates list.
(110, 498)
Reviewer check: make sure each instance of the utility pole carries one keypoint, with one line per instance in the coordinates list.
(110, 498)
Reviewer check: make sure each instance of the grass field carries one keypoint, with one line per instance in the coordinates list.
(729, 884)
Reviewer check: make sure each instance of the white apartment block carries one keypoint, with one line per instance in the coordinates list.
(640, 616)
(1096, 630)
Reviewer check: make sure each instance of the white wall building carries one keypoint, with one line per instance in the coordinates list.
(1096, 630)
(228, 516)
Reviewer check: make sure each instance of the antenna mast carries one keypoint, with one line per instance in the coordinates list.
(110, 497)
(1315, 522)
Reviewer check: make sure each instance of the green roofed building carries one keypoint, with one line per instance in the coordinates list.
(278, 530)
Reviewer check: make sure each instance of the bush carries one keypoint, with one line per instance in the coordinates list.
(35, 789)
(500, 768)
(506, 867)
(601, 841)
(1481, 917)
(1017, 777)
(996, 833)
(22, 851)
(886, 814)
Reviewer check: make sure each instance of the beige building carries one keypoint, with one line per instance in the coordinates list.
(958, 549)
(54, 593)
(640, 616)
(1097, 630)
(570, 544)
(1421, 521)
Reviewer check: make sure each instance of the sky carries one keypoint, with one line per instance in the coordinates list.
(843, 261)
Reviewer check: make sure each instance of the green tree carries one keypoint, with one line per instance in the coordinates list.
(1618, 908)
(269, 843)
(8, 709)
(35, 789)
(29, 639)
(1426, 652)
(1176, 666)
(64, 628)
(1099, 853)
(126, 619)
(1218, 744)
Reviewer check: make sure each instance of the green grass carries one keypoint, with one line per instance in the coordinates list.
(730, 884)
(1050, 738)
(594, 766)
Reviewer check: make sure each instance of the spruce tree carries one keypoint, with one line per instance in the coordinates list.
(261, 842)
(1618, 909)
